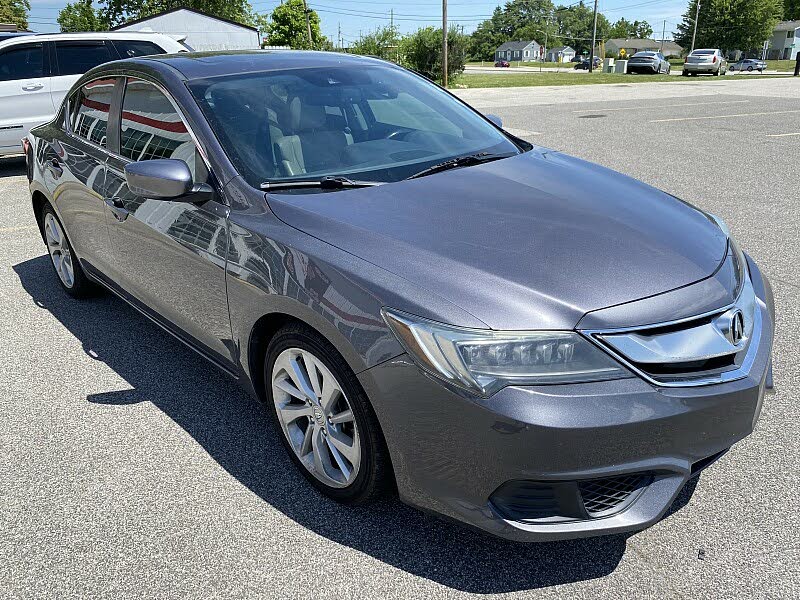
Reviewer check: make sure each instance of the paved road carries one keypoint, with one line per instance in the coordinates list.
(132, 469)
(570, 68)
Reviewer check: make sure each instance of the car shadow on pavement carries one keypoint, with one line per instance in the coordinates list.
(235, 430)
(13, 166)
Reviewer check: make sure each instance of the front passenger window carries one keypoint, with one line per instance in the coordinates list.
(152, 128)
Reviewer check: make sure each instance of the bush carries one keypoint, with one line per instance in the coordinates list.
(422, 52)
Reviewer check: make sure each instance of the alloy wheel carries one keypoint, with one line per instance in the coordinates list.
(58, 247)
(316, 417)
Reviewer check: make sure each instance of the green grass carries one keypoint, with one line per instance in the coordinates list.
(485, 80)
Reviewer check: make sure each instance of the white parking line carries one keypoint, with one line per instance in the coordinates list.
(781, 134)
(521, 133)
(755, 114)
(661, 106)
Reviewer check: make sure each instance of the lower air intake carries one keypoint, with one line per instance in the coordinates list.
(611, 494)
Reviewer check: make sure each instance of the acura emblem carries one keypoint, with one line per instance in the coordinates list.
(736, 328)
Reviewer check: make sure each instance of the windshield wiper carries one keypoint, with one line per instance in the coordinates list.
(460, 161)
(329, 182)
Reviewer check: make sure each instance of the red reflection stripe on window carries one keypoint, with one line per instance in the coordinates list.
(173, 126)
(94, 104)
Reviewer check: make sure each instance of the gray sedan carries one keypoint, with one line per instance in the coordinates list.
(749, 64)
(648, 62)
(427, 305)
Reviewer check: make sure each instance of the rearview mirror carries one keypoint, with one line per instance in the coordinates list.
(163, 179)
(496, 120)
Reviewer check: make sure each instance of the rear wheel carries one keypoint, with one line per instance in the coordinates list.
(69, 271)
(750, 68)
(328, 426)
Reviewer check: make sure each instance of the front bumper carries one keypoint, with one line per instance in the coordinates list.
(452, 451)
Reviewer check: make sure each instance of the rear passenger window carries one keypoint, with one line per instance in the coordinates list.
(22, 62)
(133, 48)
(74, 59)
(152, 128)
(88, 109)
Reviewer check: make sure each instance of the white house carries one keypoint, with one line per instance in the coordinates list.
(523, 50)
(785, 41)
(560, 54)
(197, 29)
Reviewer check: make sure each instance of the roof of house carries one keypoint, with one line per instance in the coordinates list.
(172, 10)
(670, 45)
(787, 25)
(518, 45)
(562, 49)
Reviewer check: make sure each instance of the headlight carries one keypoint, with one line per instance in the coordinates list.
(485, 361)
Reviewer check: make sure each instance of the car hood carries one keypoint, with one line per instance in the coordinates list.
(530, 242)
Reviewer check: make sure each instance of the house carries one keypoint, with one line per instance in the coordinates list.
(197, 29)
(522, 50)
(560, 54)
(785, 41)
(634, 45)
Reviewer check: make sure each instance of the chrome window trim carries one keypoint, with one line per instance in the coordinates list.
(742, 371)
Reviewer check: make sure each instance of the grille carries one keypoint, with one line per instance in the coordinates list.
(609, 494)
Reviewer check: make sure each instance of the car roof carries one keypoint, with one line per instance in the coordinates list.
(197, 65)
(104, 35)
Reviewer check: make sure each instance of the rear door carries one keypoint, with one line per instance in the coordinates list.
(24, 93)
(169, 257)
(75, 172)
(72, 58)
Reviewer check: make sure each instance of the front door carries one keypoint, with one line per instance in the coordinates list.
(169, 256)
(24, 93)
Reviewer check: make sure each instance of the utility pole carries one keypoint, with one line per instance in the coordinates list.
(594, 38)
(308, 24)
(663, 33)
(391, 19)
(444, 43)
(696, 16)
(340, 35)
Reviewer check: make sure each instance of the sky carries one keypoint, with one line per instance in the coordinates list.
(357, 17)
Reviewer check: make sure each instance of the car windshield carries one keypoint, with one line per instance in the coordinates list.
(702, 52)
(368, 123)
(644, 54)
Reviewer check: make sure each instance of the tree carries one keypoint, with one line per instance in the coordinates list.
(16, 12)
(791, 9)
(287, 27)
(383, 43)
(575, 26)
(422, 52)
(626, 29)
(729, 24)
(81, 16)
(116, 12)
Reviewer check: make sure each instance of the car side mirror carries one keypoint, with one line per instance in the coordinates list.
(165, 179)
(496, 120)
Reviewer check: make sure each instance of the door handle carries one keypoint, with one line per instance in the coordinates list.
(55, 168)
(117, 207)
(32, 87)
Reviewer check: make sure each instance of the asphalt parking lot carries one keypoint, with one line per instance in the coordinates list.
(131, 468)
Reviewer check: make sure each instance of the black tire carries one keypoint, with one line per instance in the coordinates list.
(81, 286)
(375, 478)
(750, 68)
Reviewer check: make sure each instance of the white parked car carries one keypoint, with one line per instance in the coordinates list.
(705, 60)
(37, 71)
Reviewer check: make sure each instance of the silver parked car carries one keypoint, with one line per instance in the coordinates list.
(710, 61)
(749, 64)
(648, 62)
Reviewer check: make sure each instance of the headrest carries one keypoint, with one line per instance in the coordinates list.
(305, 117)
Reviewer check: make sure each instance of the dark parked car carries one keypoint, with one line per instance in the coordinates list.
(648, 62)
(501, 333)
(749, 64)
(502, 63)
(584, 64)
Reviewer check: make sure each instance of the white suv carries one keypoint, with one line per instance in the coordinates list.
(37, 71)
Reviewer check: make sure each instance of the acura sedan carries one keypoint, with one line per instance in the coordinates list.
(429, 306)
(648, 62)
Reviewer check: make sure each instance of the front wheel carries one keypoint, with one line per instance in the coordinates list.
(69, 271)
(328, 426)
